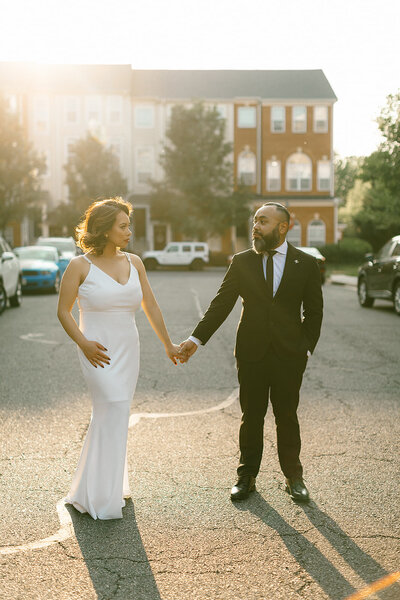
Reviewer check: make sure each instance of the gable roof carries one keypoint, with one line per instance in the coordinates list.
(223, 84)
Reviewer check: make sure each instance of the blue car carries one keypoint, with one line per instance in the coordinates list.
(40, 267)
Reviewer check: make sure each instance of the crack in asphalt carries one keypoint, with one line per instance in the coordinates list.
(66, 529)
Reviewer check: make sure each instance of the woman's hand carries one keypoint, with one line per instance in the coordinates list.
(94, 352)
(172, 351)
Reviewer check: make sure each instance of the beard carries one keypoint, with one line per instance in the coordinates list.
(267, 242)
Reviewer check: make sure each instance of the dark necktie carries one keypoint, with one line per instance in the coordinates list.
(270, 273)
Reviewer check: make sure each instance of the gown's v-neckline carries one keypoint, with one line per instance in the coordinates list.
(121, 284)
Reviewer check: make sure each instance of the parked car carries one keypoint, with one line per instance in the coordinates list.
(320, 259)
(40, 267)
(66, 247)
(10, 277)
(379, 276)
(194, 255)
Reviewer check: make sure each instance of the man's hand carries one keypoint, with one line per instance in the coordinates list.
(188, 348)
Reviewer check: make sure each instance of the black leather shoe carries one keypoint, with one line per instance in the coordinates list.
(245, 485)
(297, 490)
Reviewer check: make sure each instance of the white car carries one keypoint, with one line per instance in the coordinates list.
(194, 255)
(10, 277)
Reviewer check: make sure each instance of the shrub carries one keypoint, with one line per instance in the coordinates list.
(218, 259)
(348, 250)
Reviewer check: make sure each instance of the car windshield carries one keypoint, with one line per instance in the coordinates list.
(61, 245)
(36, 254)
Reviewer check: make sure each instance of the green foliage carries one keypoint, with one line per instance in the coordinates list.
(196, 195)
(20, 169)
(92, 173)
(348, 250)
(379, 218)
(346, 172)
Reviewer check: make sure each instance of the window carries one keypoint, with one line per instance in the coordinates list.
(144, 117)
(316, 233)
(173, 249)
(247, 167)
(320, 119)
(199, 248)
(186, 248)
(278, 119)
(273, 175)
(46, 156)
(246, 116)
(69, 148)
(324, 175)
(294, 234)
(114, 110)
(299, 119)
(222, 110)
(71, 110)
(145, 164)
(41, 113)
(93, 109)
(298, 172)
(384, 252)
(396, 250)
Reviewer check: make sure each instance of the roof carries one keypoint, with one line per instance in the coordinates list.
(166, 84)
(65, 79)
(268, 85)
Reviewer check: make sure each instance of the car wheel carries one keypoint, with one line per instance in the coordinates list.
(363, 298)
(396, 297)
(3, 298)
(197, 265)
(56, 286)
(16, 300)
(150, 264)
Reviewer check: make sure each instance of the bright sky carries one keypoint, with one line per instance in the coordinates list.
(355, 42)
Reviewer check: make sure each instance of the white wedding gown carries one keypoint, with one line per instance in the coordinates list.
(107, 315)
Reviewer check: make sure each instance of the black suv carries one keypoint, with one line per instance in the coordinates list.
(379, 277)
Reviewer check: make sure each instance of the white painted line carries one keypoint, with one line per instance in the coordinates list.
(66, 527)
(200, 313)
(66, 531)
(136, 417)
(34, 337)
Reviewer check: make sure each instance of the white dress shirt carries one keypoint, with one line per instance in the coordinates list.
(279, 259)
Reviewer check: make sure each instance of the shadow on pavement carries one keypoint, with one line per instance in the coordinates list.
(308, 556)
(114, 555)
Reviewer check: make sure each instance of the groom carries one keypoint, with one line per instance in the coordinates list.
(276, 283)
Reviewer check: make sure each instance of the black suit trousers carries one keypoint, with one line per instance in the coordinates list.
(279, 381)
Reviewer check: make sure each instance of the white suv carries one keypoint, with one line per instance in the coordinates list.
(194, 255)
(10, 277)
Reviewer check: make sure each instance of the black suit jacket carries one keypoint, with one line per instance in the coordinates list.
(266, 325)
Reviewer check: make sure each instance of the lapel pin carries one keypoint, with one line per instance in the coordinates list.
(296, 261)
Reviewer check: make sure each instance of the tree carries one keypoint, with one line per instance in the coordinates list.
(20, 169)
(92, 173)
(346, 173)
(379, 218)
(197, 195)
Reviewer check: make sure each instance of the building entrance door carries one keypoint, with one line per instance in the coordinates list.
(159, 236)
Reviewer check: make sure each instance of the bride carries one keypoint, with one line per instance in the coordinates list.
(110, 286)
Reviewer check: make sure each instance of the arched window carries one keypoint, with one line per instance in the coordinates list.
(294, 234)
(316, 233)
(247, 167)
(298, 172)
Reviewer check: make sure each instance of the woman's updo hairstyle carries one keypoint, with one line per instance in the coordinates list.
(98, 220)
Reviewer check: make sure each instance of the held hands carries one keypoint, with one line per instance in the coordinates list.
(173, 352)
(94, 352)
(187, 349)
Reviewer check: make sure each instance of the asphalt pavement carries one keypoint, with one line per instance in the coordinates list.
(181, 537)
